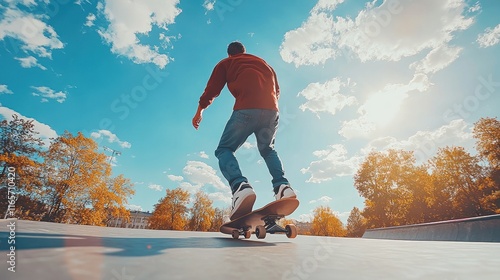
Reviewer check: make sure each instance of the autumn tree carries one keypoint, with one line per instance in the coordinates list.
(452, 184)
(202, 213)
(385, 180)
(218, 218)
(356, 224)
(171, 211)
(326, 223)
(72, 168)
(107, 201)
(421, 202)
(19, 147)
(487, 134)
(69, 181)
(118, 192)
(460, 184)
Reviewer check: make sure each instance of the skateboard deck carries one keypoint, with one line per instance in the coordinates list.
(263, 220)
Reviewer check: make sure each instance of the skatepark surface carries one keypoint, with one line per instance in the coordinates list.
(60, 251)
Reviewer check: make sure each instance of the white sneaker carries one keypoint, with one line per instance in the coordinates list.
(285, 191)
(243, 200)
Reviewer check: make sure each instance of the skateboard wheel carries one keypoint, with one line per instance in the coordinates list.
(260, 232)
(247, 234)
(291, 231)
(235, 234)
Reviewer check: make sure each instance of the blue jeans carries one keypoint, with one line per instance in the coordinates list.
(243, 123)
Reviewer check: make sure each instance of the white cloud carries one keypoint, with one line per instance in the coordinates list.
(343, 217)
(27, 3)
(390, 31)
(209, 5)
(133, 207)
(220, 196)
(155, 187)
(306, 218)
(382, 107)
(128, 19)
(437, 59)
(327, 97)
(323, 200)
(490, 37)
(331, 162)
(456, 133)
(248, 145)
(425, 144)
(175, 178)
(327, 5)
(29, 62)
(90, 20)
(36, 36)
(4, 89)
(48, 93)
(45, 132)
(200, 173)
(475, 8)
(166, 40)
(112, 138)
(360, 127)
(202, 154)
(335, 162)
(312, 43)
(420, 82)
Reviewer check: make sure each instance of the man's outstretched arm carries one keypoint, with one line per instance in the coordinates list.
(215, 85)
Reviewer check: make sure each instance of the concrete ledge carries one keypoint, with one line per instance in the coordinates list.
(478, 229)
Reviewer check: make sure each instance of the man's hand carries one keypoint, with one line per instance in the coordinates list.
(197, 118)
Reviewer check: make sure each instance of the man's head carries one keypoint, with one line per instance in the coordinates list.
(235, 48)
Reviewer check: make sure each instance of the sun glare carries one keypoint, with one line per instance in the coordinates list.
(383, 106)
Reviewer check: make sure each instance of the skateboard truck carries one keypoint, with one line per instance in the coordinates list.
(270, 224)
(271, 227)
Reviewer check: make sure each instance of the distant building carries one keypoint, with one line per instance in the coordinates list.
(138, 219)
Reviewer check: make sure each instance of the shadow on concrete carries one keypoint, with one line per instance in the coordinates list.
(128, 246)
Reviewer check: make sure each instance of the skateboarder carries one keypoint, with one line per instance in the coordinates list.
(255, 87)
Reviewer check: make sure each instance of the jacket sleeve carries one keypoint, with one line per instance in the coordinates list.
(276, 85)
(214, 86)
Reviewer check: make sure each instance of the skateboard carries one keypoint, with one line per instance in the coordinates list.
(263, 220)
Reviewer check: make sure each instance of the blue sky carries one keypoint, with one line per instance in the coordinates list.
(355, 76)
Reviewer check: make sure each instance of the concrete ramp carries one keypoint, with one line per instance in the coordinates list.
(478, 229)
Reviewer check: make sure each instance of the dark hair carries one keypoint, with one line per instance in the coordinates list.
(235, 48)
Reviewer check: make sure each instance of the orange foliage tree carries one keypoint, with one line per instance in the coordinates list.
(460, 184)
(326, 223)
(19, 146)
(202, 213)
(171, 212)
(356, 223)
(68, 181)
(487, 134)
(387, 180)
(77, 186)
(219, 218)
(108, 202)
(452, 184)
